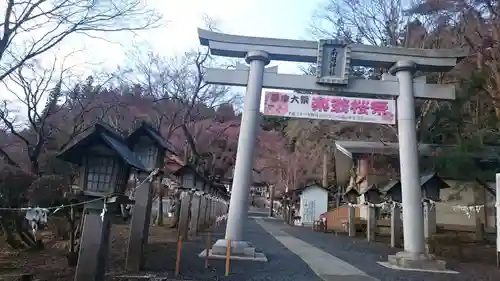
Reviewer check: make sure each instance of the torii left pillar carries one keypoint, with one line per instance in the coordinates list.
(238, 207)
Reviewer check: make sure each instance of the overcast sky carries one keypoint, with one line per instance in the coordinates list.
(276, 18)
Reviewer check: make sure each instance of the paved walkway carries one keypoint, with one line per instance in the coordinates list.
(283, 265)
(299, 254)
(363, 256)
(326, 266)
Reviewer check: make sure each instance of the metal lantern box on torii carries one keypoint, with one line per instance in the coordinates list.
(104, 162)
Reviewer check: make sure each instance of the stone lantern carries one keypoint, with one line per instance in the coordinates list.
(104, 161)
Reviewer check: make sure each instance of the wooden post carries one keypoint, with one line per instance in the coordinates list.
(183, 226)
(139, 227)
(195, 214)
(178, 256)
(396, 226)
(208, 212)
(351, 221)
(209, 246)
(429, 222)
(228, 257)
(94, 243)
(371, 224)
(202, 216)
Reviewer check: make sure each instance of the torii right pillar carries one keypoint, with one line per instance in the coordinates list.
(414, 255)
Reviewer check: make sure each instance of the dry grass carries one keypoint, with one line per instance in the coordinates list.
(50, 264)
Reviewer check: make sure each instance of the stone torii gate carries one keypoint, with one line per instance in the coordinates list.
(334, 60)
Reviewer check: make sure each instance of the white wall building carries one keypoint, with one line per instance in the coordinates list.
(313, 202)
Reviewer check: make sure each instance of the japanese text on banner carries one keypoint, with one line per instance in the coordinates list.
(330, 108)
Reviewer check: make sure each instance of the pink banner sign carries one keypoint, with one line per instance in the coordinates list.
(330, 108)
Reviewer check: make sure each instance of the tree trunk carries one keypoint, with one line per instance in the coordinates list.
(35, 166)
(325, 170)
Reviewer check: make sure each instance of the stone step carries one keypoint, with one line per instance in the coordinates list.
(142, 277)
(423, 262)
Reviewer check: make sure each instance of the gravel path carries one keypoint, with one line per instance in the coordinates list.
(283, 265)
(364, 256)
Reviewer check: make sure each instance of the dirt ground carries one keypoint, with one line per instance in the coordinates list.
(50, 264)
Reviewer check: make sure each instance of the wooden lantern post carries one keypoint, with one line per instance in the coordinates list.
(393, 193)
(210, 206)
(372, 196)
(187, 176)
(351, 195)
(105, 162)
(431, 185)
(203, 206)
(150, 147)
(196, 204)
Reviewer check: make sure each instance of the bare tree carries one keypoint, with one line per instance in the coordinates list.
(31, 84)
(183, 105)
(374, 22)
(6, 143)
(473, 24)
(33, 27)
(49, 115)
(180, 97)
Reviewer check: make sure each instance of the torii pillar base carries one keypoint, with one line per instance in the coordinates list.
(422, 262)
(240, 250)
